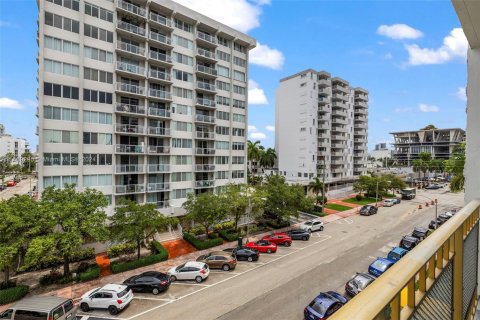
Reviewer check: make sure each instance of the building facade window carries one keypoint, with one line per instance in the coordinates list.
(97, 180)
(59, 181)
(222, 175)
(239, 118)
(97, 117)
(224, 42)
(62, 45)
(61, 22)
(183, 42)
(98, 12)
(181, 143)
(239, 90)
(97, 75)
(221, 160)
(222, 130)
(238, 160)
(238, 132)
(70, 4)
(223, 56)
(236, 174)
(97, 33)
(223, 100)
(181, 126)
(97, 138)
(223, 85)
(182, 75)
(57, 90)
(58, 113)
(222, 145)
(183, 59)
(239, 48)
(95, 159)
(222, 115)
(182, 25)
(240, 76)
(182, 93)
(181, 160)
(223, 71)
(97, 96)
(181, 193)
(239, 104)
(238, 146)
(60, 159)
(98, 54)
(240, 62)
(60, 136)
(181, 109)
(182, 176)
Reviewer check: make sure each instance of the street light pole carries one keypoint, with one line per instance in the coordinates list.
(323, 186)
(436, 215)
(376, 197)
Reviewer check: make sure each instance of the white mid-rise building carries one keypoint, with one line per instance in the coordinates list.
(321, 128)
(15, 146)
(145, 100)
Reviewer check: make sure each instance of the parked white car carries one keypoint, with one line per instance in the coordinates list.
(312, 225)
(389, 202)
(113, 297)
(191, 270)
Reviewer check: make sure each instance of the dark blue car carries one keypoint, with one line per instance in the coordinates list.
(379, 266)
(396, 254)
(324, 305)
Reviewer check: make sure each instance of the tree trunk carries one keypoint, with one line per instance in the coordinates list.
(66, 265)
(138, 249)
(237, 217)
(206, 230)
(6, 275)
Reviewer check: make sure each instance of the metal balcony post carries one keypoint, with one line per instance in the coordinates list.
(458, 276)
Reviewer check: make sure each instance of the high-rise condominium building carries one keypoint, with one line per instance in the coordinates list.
(440, 143)
(321, 128)
(145, 100)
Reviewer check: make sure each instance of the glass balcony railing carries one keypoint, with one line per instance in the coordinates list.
(129, 108)
(205, 151)
(160, 57)
(129, 168)
(129, 188)
(159, 94)
(127, 6)
(158, 150)
(204, 183)
(158, 131)
(160, 38)
(205, 167)
(127, 67)
(204, 118)
(129, 128)
(127, 148)
(159, 112)
(205, 86)
(153, 187)
(208, 70)
(206, 102)
(436, 280)
(130, 88)
(130, 48)
(206, 53)
(152, 168)
(205, 135)
(159, 75)
(131, 28)
(160, 19)
(206, 37)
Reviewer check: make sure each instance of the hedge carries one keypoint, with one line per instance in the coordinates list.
(229, 235)
(162, 255)
(13, 294)
(83, 254)
(275, 225)
(121, 249)
(202, 244)
(91, 273)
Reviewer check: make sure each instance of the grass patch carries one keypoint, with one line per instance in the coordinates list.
(362, 202)
(337, 207)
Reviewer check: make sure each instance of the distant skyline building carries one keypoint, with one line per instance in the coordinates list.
(438, 142)
(144, 100)
(13, 145)
(381, 151)
(321, 122)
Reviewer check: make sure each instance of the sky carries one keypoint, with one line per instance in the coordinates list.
(410, 55)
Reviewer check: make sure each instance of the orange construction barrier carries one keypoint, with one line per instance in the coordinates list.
(432, 203)
(426, 204)
(419, 206)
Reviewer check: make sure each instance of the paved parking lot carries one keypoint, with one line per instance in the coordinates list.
(279, 285)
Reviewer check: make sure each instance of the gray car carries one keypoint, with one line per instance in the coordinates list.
(41, 308)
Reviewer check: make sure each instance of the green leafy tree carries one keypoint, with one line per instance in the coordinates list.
(283, 200)
(134, 223)
(20, 221)
(74, 216)
(429, 127)
(206, 209)
(426, 158)
(28, 162)
(268, 158)
(5, 165)
(455, 166)
(253, 152)
(241, 198)
(317, 187)
(362, 185)
(394, 182)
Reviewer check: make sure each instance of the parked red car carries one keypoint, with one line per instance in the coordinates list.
(11, 183)
(279, 238)
(263, 246)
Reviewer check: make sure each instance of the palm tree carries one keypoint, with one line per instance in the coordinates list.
(426, 158)
(253, 152)
(268, 158)
(418, 166)
(317, 187)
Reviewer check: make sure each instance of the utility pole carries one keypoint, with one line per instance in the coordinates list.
(323, 182)
(376, 197)
(436, 215)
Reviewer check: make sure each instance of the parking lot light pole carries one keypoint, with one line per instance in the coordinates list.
(376, 197)
(436, 214)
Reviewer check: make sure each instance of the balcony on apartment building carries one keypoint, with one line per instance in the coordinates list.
(204, 183)
(160, 57)
(325, 82)
(130, 70)
(204, 118)
(129, 149)
(131, 29)
(130, 8)
(360, 104)
(160, 204)
(159, 112)
(158, 186)
(361, 96)
(339, 113)
(129, 48)
(205, 151)
(205, 135)
(206, 54)
(158, 131)
(203, 102)
(206, 70)
(129, 108)
(206, 38)
(129, 188)
(206, 87)
(160, 20)
(340, 88)
(129, 168)
(361, 111)
(339, 104)
(129, 88)
(204, 167)
(160, 39)
(161, 76)
(158, 149)
(159, 94)
(129, 129)
(340, 96)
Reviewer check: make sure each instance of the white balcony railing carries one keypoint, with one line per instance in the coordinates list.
(130, 88)
(205, 53)
(207, 70)
(127, 67)
(205, 151)
(158, 149)
(129, 188)
(160, 56)
(158, 168)
(128, 148)
(204, 118)
(206, 37)
(205, 167)
(131, 28)
(159, 75)
(152, 187)
(130, 48)
(205, 86)
(159, 94)
(159, 112)
(205, 135)
(206, 102)
(204, 183)
(130, 108)
(160, 38)
(129, 168)
(158, 131)
(131, 8)
(161, 204)
(129, 128)
(160, 19)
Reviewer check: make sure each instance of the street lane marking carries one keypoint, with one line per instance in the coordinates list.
(189, 284)
(372, 257)
(325, 237)
(98, 316)
(149, 298)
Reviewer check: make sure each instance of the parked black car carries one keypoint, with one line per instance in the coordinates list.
(409, 242)
(420, 233)
(440, 221)
(150, 281)
(368, 210)
(433, 186)
(242, 253)
(444, 216)
(299, 234)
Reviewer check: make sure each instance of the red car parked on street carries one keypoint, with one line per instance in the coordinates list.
(279, 238)
(262, 246)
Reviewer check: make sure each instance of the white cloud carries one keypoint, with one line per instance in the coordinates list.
(400, 110)
(7, 103)
(265, 56)
(388, 56)
(256, 95)
(31, 103)
(399, 31)
(258, 136)
(254, 134)
(242, 15)
(462, 93)
(270, 128)
(427, 108)
(455, 45)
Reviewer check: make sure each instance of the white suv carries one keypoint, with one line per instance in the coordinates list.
(113, 297)
(312, 225)
(191, 270)
(389, 202)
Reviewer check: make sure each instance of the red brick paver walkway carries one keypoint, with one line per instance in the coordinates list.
(177, 248)
(104, 264)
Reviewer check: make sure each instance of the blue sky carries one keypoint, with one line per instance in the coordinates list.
(410, 55)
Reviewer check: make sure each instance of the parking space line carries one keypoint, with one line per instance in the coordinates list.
(99, 316)
(257, 265)
(148, 298)
(189, 284)
(224, 272)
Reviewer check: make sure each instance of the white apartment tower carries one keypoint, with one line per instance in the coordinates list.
(321, 123)
(140, 99)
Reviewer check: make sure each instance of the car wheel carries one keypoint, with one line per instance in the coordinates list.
(112, 310)
(198, 279)
(249, 259)
(85, 307)
(268, 251)
(173, 278)
(304, 238)
(321, 228)
(286, 244)
(226, 267)
(155, 291)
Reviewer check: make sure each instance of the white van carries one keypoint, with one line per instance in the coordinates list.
(41, 308)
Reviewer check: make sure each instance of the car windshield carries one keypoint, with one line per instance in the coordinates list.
(407, 242)
(318, 306)
(361, 282)
(179, 267)
(379, 265)
(309, 223)
(124, 292)
(394, 256)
